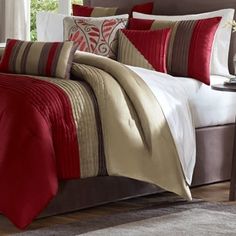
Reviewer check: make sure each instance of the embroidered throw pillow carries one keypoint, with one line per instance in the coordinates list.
(189, 49)
(38, 58)
(79, 10)
(147, 49)
(92, 35)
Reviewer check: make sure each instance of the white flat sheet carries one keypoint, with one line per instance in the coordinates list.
(189, 104)
(174, 103)
(209, 107)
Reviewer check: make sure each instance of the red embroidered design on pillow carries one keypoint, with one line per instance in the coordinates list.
(99, 37)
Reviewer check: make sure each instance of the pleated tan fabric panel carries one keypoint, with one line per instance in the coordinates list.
(137, 139)
(128, 54)
(86, 124)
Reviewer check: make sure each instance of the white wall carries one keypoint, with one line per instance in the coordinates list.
(15, 19)
(64, 7)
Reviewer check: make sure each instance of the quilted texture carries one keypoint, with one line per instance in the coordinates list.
(189, 50)
(98, 36)
(79, 10)
(38, 58)
(135, 51)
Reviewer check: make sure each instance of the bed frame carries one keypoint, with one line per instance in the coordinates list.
(214, 144)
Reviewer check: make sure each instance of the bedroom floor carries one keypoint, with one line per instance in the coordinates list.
(212, 193)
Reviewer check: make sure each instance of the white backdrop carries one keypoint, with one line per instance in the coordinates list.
(15, 22)
(64, 7)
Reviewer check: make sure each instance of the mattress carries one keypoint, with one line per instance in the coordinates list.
(209, 107)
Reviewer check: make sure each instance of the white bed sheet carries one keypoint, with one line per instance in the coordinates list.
(188, 104)
(209, 107)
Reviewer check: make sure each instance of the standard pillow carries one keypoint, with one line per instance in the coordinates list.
(189, 50)
(220, 52)
(97, 36)
(38, 58)
(147, 49)
(145, 8)
(79, 10)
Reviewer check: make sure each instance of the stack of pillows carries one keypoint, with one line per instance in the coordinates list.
(188, 46)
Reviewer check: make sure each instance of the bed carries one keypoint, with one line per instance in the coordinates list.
(214, 139)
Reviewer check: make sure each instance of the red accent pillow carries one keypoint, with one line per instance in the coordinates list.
(189, 50)
(79, 10)
(145, 8)
(135, 51)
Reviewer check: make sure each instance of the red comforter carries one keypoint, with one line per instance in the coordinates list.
(38, 146)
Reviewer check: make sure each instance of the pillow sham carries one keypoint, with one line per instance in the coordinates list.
(220, 52)
(135, 51)
(38, 58)
(97, 36)
(145, 8)
(79, 10)
(189, 50)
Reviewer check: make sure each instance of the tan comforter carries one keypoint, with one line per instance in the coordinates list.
(137, 140)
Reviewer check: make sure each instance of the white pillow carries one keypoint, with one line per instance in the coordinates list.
(50, 25)
(220, 52)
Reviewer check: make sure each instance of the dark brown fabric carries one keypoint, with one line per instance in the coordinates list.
(172, 7)
(180, 49)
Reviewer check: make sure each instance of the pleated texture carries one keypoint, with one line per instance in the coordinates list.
(87, 122)
(190, 45)
(147, 49)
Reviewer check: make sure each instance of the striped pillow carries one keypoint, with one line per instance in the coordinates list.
(79, 10)
(190, 45)
(135, 51)
(38, 58)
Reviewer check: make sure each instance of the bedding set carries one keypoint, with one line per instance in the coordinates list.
(67, 115)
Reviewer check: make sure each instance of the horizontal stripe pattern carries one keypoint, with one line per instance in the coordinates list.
(38, 58)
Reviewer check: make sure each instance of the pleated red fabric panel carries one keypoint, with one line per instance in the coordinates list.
(39, 145)
(146, 48)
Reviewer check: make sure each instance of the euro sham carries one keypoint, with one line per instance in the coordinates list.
(38, 58)
(220, 51)
(190, 45)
